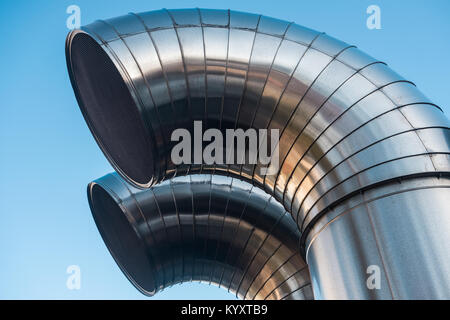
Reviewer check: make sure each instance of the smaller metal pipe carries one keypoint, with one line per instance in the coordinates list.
(206, 228)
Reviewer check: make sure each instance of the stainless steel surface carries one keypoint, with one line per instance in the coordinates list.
(401, 228)
(207, 228)
(348, 123)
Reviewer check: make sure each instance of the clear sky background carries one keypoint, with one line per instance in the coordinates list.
(47, 155)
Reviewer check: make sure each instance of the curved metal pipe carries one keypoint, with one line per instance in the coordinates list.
(348, 124)
(205, 228)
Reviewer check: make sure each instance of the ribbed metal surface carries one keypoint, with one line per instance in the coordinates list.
(335, 106)
(348, 123)
(205, 228)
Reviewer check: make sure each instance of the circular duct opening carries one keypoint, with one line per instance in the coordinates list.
(109, 109)
(122, 241)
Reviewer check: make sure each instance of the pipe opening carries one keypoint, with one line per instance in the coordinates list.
(122, 241)
(109, 109)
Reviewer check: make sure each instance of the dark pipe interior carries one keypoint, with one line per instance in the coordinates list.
(109, 109)
(126, 247)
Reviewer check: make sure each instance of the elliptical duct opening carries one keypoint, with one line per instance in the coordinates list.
(122, 241)
(108, 108)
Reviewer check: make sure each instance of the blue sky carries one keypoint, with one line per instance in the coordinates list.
(48, 155)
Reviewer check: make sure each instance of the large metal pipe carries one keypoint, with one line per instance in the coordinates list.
(205, 228)
(348, 126)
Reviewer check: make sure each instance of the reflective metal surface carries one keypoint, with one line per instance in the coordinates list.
(348, 123)
(400, 228)
(205, 228)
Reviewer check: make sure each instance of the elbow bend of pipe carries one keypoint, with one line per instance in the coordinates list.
(341, 114)
(352, 134)
(206, 228)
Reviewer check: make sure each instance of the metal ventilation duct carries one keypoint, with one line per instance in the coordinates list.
(363, 155)
(201, 228)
